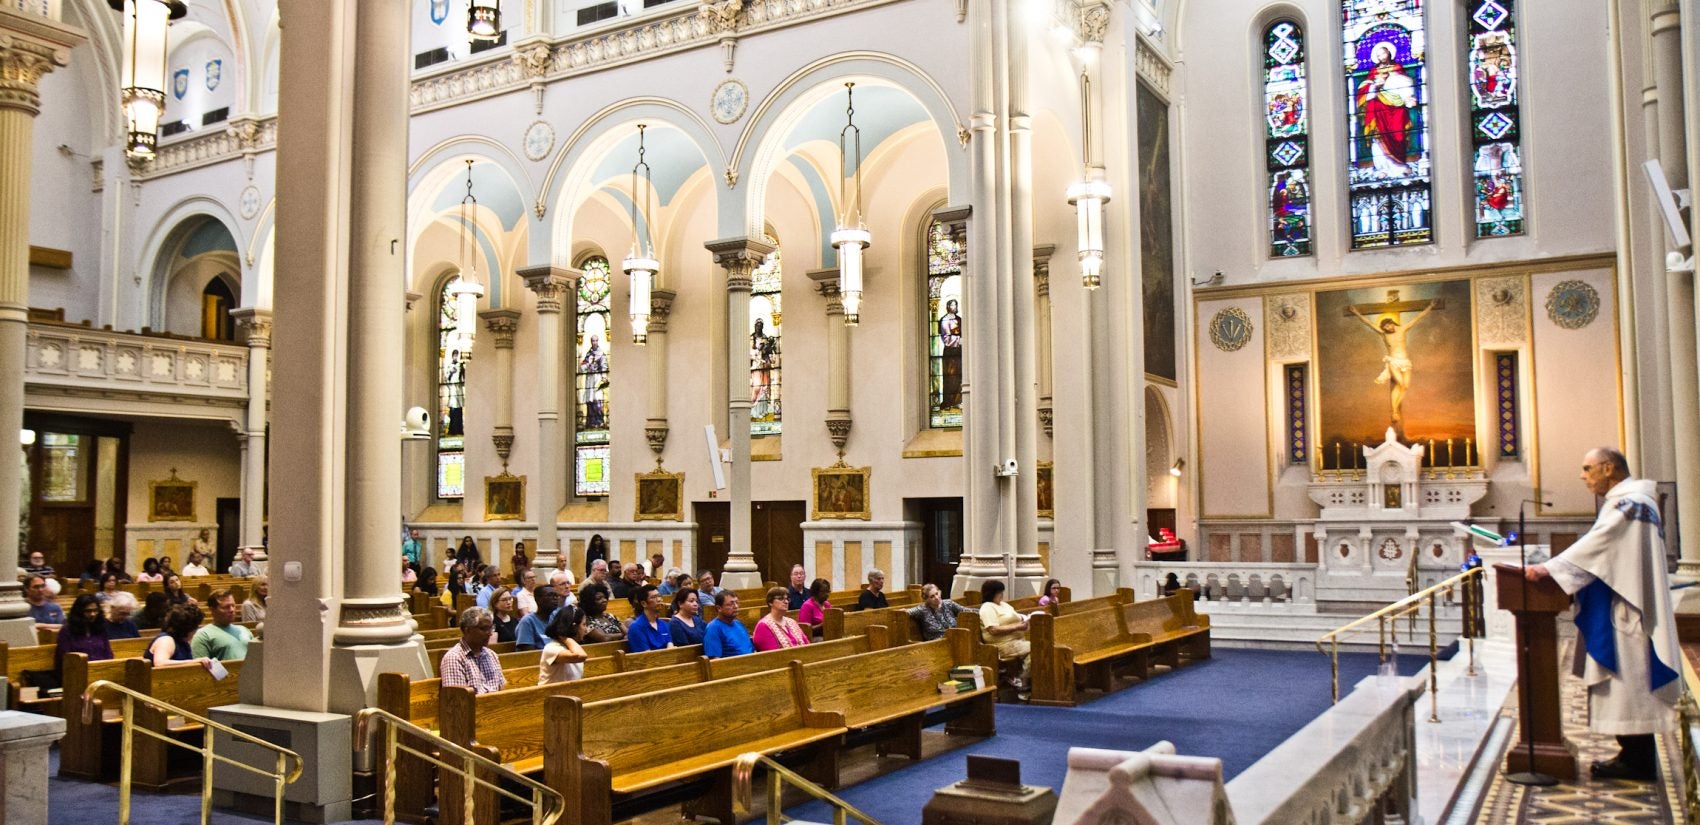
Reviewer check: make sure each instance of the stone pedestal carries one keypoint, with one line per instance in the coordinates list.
(324, 793)
(24, 740)
(18, 633)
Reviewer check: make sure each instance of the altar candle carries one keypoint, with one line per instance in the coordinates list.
(1467, 461)
(1337, 466)
(1431, 452)
(1356, 455)
(1448, 452)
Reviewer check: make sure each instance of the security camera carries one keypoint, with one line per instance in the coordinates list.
(417, 425)
(1007, 469)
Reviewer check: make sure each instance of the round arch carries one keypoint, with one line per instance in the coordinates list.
(444, 165)
(168, 235)
(1159, 452)
(761, 147)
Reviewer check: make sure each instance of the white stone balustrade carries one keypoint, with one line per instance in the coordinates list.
(73, 360)
(1229, 582)
(46, 8)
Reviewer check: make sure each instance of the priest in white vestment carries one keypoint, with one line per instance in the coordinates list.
(1626, 649)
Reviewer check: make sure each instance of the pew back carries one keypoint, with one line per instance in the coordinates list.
(734, 666)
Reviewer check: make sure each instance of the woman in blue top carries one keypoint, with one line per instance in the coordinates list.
(172, 644)
(686, 625)
(648, 631)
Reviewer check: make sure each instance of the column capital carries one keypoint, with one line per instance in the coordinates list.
(1042, 267)
(255, 324)
(31, 45)
(413, 298)
(826, 285)
(738, 256)
(503, 323)
(551, 283)
(660, 309)
(954, 218)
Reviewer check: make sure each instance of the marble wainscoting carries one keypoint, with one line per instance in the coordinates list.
(843, 551)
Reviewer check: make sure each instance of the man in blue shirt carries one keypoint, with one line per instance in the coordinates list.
(532, 632)
(726, 636)
(492, 585)
(43, 609)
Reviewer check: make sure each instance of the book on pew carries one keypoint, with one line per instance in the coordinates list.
(969, 673)
(956, 686)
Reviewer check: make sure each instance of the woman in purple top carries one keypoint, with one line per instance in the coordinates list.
(814, 608)
(84, 632)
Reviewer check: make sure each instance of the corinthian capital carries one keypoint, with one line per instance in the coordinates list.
(31, 45)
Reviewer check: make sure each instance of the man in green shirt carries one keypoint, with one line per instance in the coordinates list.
(224, 639)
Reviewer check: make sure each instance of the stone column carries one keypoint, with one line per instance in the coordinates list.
(739, 257)
(838, 420)
(31, 45)
(256, 326)
(1042, 325)
(502, 324)
(655, 424)
(553, 286)
(1017, 360)
(1680, 296)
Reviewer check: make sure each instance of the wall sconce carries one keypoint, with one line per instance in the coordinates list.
(1176, 469)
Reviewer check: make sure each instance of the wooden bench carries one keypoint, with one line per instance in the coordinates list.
(507, 725)
(187, 686)
(90, 747)
(1176, 630)
(618, 758)
(731, 666)
(838, 623)
(886, 695)
(16, 660)
(627, 662)
(1082, 648)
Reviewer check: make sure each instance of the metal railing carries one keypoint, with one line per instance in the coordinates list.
(547, 804)
(1466, 582)
(281, 776)
(778, 776)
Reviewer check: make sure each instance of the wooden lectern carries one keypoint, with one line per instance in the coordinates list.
(1536, 606)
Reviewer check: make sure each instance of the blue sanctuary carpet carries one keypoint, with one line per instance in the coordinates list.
(1236, 706)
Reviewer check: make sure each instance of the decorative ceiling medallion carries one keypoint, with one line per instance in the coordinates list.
(729, 100)
(249, 202)
(1230, 329)
(1573, 304)
(539, 139)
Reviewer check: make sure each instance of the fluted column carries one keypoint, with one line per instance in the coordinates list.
(738, 257)
(838, 420)
(1679, 286)
(503, 323)
(655, 423)
(1042, 324)
(256, 325)
(552, 284)
(30, 47)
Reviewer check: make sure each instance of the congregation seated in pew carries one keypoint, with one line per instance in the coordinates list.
(935, 615)
(223, 639)
(43, 609)
(254, 609)
(505, 611)
(873, 596)
(84, 632)
(1004, 628)
(563, 657)
(120, 610)
(726, 636)
(471, 663)
(687, 625)
(777, 630)
(648, 630)
(173, 644)
(532, 632)
(815, 606)
(603, 626)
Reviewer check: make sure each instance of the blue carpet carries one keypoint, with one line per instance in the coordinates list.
(1236, 706)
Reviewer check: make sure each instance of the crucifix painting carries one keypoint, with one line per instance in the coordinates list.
(1395, 356)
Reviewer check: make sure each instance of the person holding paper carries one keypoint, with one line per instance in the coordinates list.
(1626, 649)
(224, 639)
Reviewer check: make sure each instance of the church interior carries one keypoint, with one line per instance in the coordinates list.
(1107, 471)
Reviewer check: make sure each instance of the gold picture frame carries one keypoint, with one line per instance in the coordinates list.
(660, 496)
(1046, 493)
(840, 493)
(171, 499)
(504, 498)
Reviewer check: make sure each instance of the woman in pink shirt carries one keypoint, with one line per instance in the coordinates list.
(777, 630)
(814, 608)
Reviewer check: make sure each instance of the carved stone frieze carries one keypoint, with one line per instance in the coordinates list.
(551, 284)
(26, 54)
(1153, 68)
(722, 16)
(502, 323)
(1045, 414)
(255, 326)
(504, 442)
(1286, 326)
(655, 432)
(839, 430)
(1502, 311)
(660, 309)
(534, 60)
(1092, 21)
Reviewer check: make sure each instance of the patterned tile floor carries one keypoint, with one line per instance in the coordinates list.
(1587, 800)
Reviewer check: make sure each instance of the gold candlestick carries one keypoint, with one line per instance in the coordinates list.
(1431, 458)
(1357, 458)
(1338, 468)
(1449, 458)
(1467, 461)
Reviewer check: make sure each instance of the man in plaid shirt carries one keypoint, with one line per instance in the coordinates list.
(472, 663)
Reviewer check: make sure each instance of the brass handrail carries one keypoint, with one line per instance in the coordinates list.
(282, 776)
(547, 804)
(1329, 643)
(743, 777)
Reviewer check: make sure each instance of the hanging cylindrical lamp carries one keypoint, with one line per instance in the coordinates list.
(1088, 198)
(851, 237)
(640, 264)
(467, 289)
(142, 75)
(484, 19)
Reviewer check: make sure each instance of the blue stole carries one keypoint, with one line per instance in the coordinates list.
(1593, 619)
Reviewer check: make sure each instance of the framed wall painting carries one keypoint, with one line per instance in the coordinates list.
(504, 498)
(1046, 493)
(660, 496)
(171, 499)
(841, 492)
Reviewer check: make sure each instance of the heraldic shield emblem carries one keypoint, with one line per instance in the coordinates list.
(180, 83)
(215, 73)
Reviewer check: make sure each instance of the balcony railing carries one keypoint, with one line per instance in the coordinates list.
(73, 359)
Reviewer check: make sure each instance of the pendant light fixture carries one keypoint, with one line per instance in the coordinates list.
(640, 264)
(142, 74)
(466, 288)
(484, 19)
(1088, 197)
(851, 237)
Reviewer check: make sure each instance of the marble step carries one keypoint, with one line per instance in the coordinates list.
(1249, 626)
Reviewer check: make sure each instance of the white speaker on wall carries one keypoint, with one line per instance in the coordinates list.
(714, 457)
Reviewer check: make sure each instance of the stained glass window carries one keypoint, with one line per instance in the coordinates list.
(1387, 122)
(1286, 115)
(595, 295)
(451, 396)
(945, 255)
(1494, 120)
(766, 314)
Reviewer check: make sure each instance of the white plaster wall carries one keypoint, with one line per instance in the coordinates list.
(64, 212)
(1576, 392)
(203, 452)
(1234, 430)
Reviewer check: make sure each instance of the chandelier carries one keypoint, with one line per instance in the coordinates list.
(1088, 198)
(142, 74)
(484, 20)
(640, 264)
(851, 237)
(466, 288)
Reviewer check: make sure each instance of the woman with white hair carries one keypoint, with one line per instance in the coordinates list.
(119, 609)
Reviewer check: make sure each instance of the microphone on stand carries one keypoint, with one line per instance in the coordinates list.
(1530, 776)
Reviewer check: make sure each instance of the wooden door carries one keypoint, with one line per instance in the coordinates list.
(714, 529)
(941, 539)
(776, 537)
(229, 512)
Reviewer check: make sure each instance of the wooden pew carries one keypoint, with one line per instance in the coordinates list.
(1175, 629)
(506, 727)
(16, 660)
(187, 686)
(86, 750)
(615, 759)
(888, 693)
(627, 662)
(732, 666)
(1082, 648)
(838, 623)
